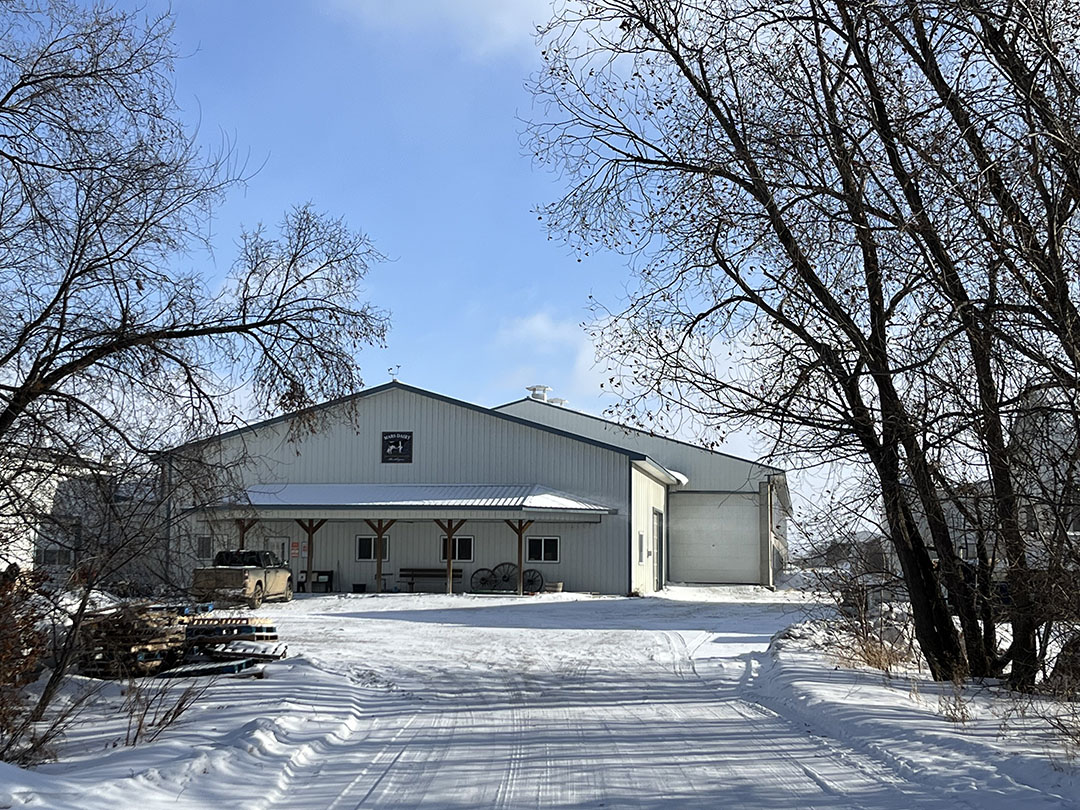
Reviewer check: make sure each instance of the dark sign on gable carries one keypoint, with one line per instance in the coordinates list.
(397, 447)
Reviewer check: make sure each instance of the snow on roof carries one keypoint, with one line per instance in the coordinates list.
(527, 497)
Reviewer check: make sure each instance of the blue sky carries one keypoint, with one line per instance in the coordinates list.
(405, 118)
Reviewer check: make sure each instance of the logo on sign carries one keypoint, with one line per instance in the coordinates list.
(397, 447)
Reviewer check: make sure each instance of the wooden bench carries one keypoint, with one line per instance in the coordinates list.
(410, 575)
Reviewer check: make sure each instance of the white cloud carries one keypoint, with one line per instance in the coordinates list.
(541, 349)
(542, 332)
(482, 28)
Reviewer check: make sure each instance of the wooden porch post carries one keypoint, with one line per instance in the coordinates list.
(380, 527)
(450, 527)
(243, 524)
(310, 526)
(519, 527)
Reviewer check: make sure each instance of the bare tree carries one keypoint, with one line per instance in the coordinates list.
(869, 206)
(115, 343)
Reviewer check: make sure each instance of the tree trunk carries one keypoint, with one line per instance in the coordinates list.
(63, 661)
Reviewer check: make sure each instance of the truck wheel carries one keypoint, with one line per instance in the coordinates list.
(256, 599)
(288, 590)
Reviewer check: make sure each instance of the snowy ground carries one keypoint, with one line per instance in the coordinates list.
(556, 701)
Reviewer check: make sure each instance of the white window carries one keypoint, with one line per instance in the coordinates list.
(641, 547)
(463, 548)
(365, 547)
(204, 547)
(542, 550)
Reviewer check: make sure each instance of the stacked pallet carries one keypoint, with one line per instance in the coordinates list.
(255, 650)
(207, 630)
(137, 640)
(129, 641)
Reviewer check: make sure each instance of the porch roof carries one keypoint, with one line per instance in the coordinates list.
(422, 498)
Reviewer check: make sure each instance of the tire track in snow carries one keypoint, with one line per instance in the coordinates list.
(881, 770)
(306, 758)
(586, 720)
(506, 795)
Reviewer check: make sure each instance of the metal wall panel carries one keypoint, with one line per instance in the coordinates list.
(706, 470)
(451, 444)
(417, 545)
(718, 538)
(648, 495)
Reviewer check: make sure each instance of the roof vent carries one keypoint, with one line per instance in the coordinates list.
(557, 401)
(538, 391)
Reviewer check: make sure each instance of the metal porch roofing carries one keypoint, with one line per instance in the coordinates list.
(523, 497)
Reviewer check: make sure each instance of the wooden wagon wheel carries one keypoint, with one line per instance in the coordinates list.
(483, 579)
(506, 576)
(532, 581)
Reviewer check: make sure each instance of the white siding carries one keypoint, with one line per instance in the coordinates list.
(416, 544)
(452, 443)
(647, 559)
(715, 531)
(718, 538)
(707, 470)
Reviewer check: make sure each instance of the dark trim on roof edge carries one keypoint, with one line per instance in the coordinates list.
(642, 432)
(634, 455)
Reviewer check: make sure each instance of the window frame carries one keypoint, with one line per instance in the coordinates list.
(199, 540)
(457, 547)
(372, 538)
(543, 538)
(54, 556)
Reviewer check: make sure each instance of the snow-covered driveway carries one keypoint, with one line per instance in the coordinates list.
(462, 702)
(565, 704)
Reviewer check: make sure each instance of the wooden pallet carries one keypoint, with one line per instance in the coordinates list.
(208, 635)
(128, 639)
(136, 640)
(239, 649)
(221, 621)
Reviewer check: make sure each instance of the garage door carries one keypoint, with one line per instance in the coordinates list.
(713, 538)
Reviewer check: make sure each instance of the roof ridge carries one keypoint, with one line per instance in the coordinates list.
(397, 384)
(631, 429)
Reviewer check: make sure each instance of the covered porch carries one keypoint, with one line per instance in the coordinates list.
(382, 537)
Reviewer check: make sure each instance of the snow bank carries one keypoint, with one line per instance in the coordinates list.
(951, 738)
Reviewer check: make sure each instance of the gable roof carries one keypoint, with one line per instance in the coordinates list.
(633, 455)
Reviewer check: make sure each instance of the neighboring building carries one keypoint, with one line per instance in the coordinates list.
(610, 510)
(40, 522)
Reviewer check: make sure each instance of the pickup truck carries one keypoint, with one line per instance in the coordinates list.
(244, 576)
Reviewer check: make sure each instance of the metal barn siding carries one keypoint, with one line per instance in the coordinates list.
(647, 551)
(417, 545)
(714, 533)
(706, 469)
(718, 538)
(452, 443)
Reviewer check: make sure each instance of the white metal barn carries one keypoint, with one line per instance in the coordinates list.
(727, 516)
(584, 502)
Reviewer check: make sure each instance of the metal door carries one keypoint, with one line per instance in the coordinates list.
(658, 546)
